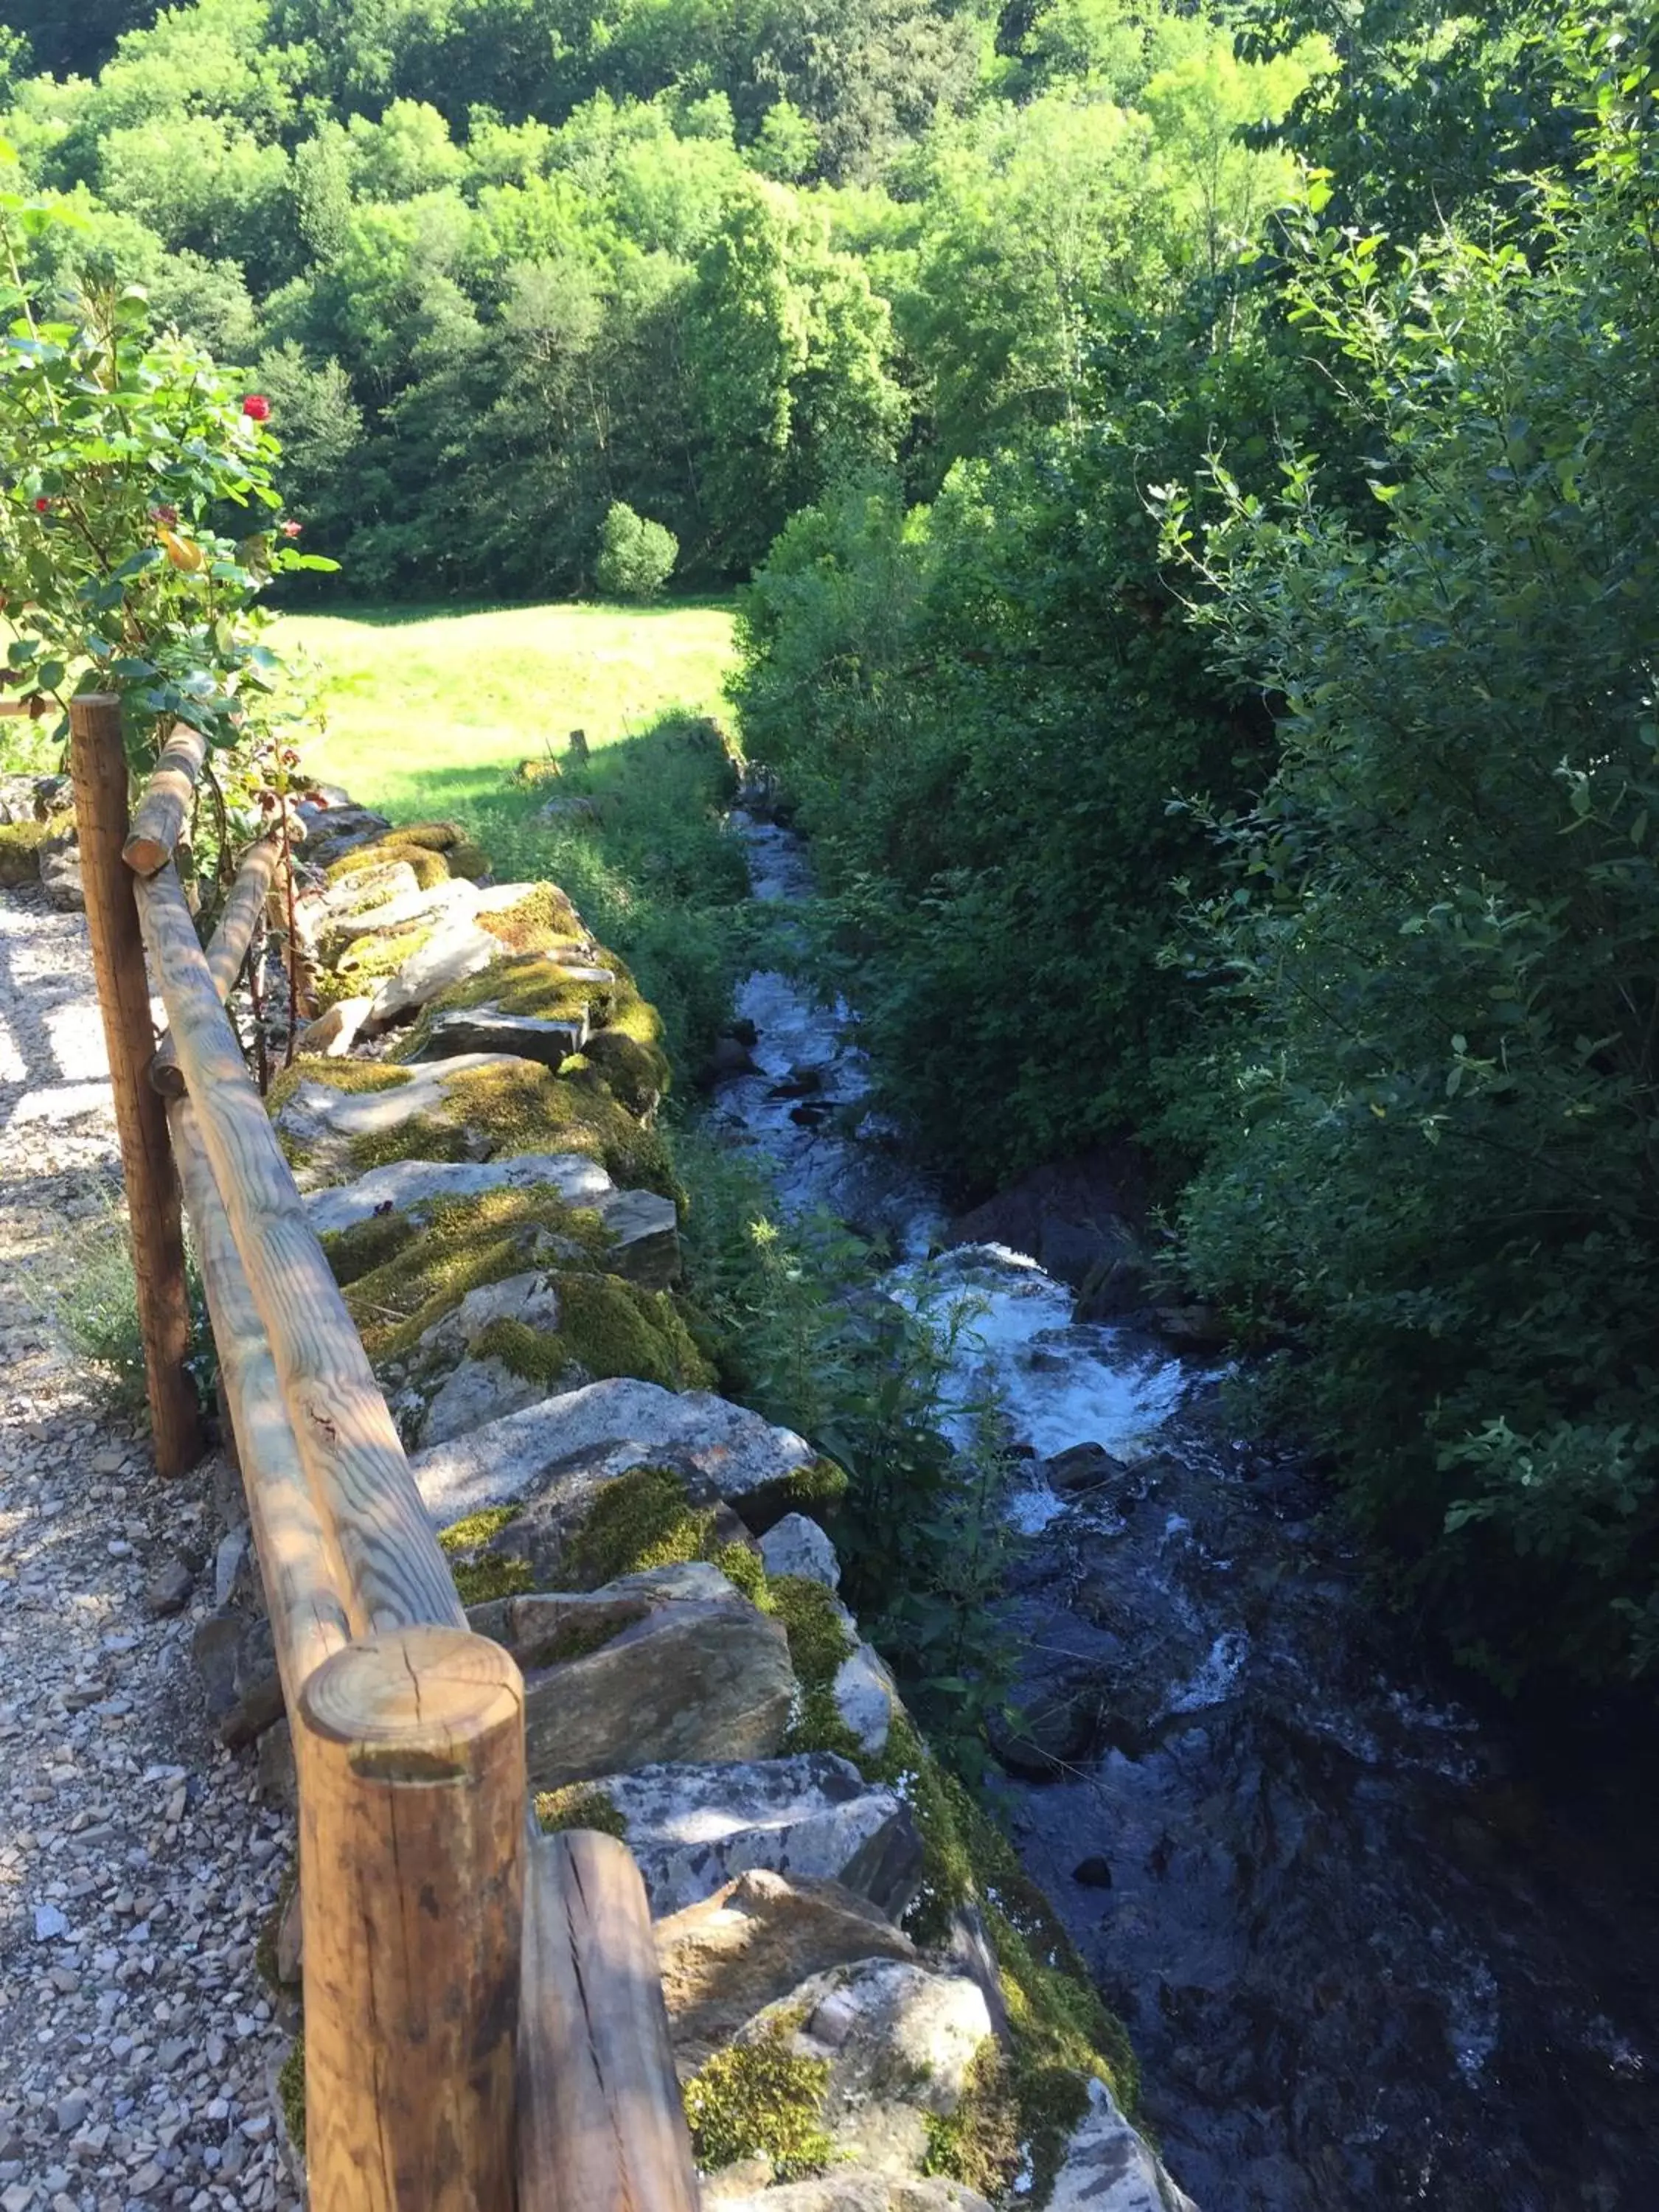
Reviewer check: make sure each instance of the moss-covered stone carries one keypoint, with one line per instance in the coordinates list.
(541, 920)
(608, 1327)
(463, 1244)
(291, 2091)
(468, 861)
(496, 1574)
(526, 1109)
(637, 1074)
(431, 836)
(370, 958)
(757, 2100)
(357, 1251)
(815, 1490)
(20, 852)
(264, 1950)
(818, 1642)
(481, 1575)
(1060, 2033)
(578, 1805)
(521, 1107)
(430, 867)
(746, 1570)
(476, 1529)
(979, 2143)
(641, 1520)
(334, 1075)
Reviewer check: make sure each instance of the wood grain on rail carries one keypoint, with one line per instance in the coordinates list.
(299, 1565)
(601, 2127)
(227, 948)
(355, 1467)
(160, 820)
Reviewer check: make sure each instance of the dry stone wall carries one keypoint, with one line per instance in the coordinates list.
(863, 2021)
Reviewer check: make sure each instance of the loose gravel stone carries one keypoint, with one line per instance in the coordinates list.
(137, 1866)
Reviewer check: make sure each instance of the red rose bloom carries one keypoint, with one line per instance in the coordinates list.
(43, 506)
(256, 407)
(292, 529)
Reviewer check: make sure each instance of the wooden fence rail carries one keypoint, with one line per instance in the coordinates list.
(484, 2025)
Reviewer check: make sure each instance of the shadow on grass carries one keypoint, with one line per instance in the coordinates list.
(407, 613)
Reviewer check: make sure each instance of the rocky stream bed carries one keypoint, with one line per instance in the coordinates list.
(1375, 1948)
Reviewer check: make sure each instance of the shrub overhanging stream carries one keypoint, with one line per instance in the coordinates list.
(1370, 1951)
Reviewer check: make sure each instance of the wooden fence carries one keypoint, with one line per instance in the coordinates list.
(484, 2024)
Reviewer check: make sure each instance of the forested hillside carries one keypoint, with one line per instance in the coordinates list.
(499, 264)
(1197, 473)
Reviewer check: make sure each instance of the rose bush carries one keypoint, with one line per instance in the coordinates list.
(139, 526)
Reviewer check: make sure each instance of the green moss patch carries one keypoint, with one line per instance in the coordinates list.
(480, 1574)
(818, 1642)
(523, 1108)
(641, 1520)
(368, 1244)
(542, 919)
(264, 1950)
(608, 1327)
(291, 2090)
(756, 2100)
(465, 1243)
(430, 868)
(20, 852)
(1060, 2033)
(524, 983)
(815, 1490)
(334, 1075)
(578, 1806)
(979, 2143)
(468, 861)
(430, 836)
(637, 1074)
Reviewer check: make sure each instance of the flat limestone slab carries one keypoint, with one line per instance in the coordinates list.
(455, 949)
(484, 1029)
(583, 1438)
(456, 900)
(407, 1185)
(323, 1121)
(811, 1817)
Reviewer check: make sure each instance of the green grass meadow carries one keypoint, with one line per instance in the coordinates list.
(419, 702)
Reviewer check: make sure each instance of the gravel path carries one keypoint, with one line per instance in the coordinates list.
(138, 1868)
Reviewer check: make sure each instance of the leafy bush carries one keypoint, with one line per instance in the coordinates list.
(1434, 1171)
(636, 556)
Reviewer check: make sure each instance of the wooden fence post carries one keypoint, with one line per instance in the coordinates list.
(98, 768)
(412, 1846)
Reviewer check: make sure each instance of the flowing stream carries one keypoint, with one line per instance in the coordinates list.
(1375, 1949)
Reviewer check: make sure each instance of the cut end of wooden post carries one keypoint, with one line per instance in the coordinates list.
(414, 1705)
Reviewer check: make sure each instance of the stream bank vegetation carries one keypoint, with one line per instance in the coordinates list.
(1264, 761)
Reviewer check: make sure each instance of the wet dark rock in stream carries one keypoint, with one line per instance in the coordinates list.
(1375, 1949)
